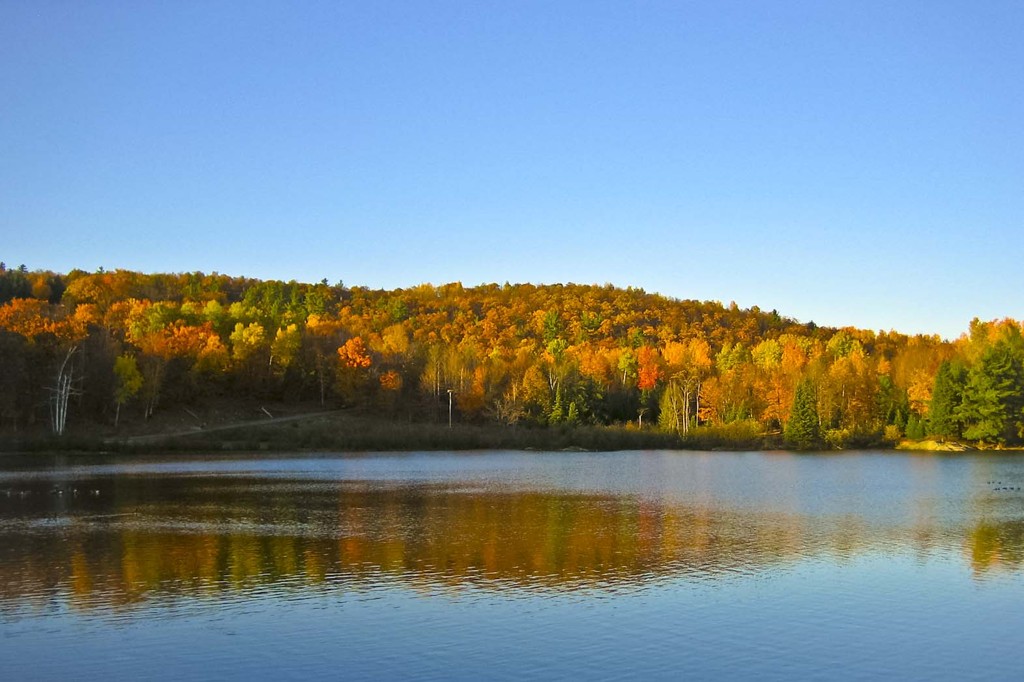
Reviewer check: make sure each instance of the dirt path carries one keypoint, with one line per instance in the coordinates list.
(196, 430)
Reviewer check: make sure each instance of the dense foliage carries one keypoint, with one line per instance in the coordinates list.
(101, 346)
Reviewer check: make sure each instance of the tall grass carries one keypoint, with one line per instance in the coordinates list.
(355, 434)
(739, 435)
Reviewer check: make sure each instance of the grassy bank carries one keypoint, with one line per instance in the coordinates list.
(344, 431)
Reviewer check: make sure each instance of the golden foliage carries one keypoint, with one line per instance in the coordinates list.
(353, 354)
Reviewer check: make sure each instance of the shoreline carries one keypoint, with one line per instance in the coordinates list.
(346, 431)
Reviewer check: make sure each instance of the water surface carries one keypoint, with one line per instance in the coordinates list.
(500, 565)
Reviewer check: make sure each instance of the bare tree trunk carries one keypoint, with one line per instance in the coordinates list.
(321, 372)
(61, 392)
(674, 394)
(686, 410)
(697, 413)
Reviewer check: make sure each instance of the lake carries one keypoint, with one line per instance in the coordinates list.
(507, 565)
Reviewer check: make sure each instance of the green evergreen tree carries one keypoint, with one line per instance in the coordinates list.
(891, 402)
(802, 428)
(552, 326)
(947, 395)
(557, 414)
(915, 427)
(573, 417)
(993, 402)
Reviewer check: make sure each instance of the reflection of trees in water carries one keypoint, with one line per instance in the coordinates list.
(996, 545)
(149, 539)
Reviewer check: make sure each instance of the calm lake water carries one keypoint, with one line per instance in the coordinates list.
(505, 565)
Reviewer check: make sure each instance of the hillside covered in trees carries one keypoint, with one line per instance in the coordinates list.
(106, 347)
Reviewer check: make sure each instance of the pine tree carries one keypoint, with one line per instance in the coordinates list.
(947, 395)
(993, 399)
(802, 428)
(556, 415)
(915, 427)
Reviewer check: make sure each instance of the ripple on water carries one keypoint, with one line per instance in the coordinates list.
(639, 565)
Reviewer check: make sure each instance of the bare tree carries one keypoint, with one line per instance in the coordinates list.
(61, 391)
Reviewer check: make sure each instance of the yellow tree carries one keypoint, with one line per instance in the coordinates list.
(767, 359)
(285, 347)
(847, 398)
(687, 365)
(129, 381)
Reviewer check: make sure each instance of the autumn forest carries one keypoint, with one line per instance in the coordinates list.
(102, 349)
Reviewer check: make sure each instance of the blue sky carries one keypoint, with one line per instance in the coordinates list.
(844, 162)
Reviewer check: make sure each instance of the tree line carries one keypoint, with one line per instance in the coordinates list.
(103, 346)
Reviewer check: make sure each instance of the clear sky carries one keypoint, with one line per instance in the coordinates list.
(844, 162)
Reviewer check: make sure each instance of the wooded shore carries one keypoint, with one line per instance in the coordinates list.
(84, 353)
